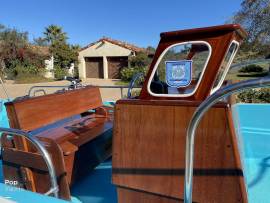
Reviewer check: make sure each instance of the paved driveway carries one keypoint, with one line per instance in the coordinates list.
(18, 90)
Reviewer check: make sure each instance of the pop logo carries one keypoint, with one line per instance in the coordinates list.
(11, 182)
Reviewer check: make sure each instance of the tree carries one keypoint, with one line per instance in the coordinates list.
(140, 60)
(150, 50)
(137, 64)
(63, 53)
(16, 53)
(12, 47)
(40, 42)
(254, 16)
(54, 34)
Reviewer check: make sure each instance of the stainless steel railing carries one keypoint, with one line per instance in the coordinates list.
(39, 88)
(196, 118)
(32, 89)
(42, 150)
(132, 83)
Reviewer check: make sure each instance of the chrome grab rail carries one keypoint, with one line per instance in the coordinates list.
(44, 86)
(121, 87)
(39, 90)
(132, 83)
(42, 150)
(196, 118)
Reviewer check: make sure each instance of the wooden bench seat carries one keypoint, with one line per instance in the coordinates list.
(75, 128)
(78, 131)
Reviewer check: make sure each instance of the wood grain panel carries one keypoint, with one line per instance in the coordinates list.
(219, 38)
(149, 152)
(131, 196)
(32, 113)
(67, 141)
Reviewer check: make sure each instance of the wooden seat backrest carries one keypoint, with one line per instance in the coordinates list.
(32, 113)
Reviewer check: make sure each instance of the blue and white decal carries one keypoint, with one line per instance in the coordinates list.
(178, 73)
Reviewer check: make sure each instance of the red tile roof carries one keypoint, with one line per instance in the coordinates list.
(44, 50)
(119, 43)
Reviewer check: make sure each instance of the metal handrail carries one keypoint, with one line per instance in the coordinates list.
(132, 83)
(42, 150)
(45, 86)
(121, 87)
(196, 118)
(39, 90)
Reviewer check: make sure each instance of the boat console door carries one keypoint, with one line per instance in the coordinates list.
(150, 132)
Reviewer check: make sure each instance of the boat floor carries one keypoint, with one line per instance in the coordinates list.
(97, 186)
(94, 188)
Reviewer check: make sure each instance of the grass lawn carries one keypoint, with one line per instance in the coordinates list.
(233, 74)
(235, 77)
(123, 83)
(29, 79)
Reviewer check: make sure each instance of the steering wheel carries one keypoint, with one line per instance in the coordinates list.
(132, 83)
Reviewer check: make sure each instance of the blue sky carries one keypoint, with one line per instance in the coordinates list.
(138, 22)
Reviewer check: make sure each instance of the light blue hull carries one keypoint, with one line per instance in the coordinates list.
(253, 130)
(252, 123)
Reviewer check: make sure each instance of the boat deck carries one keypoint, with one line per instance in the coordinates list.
(253, 130)
(252, 136)
(94, 188)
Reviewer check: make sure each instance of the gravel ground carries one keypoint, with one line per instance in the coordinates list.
(18, 90)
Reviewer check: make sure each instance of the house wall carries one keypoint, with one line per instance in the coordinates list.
(101, 49)
(49, 68)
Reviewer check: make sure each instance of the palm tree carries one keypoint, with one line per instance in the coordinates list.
(54, 33)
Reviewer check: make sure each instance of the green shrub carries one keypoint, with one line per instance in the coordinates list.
(255, 96)
(140, 60)
(76, 72)
(23, 70)
(30, 78)
(60, 73)
(127, 73)
(27, 74)
(251, 69)
(253, 74)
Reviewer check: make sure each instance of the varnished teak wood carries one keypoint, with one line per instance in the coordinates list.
(67, 142)
(149, 152)
(219, 38)
(33, 113)
(150, 135)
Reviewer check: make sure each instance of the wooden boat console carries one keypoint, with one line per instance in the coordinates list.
(77, 139)
(150, 132)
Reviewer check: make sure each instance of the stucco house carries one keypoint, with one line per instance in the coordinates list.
(105, 58)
